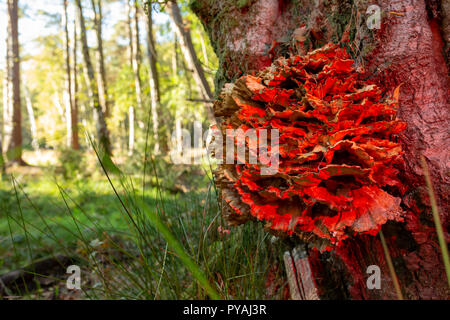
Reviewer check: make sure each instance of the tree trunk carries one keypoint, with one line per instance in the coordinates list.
(407, 49)
(30, 111)
(101, 72)
(205, 54)
(135, 51)
(102, 130)
(190, 56)
(68, 99)
(7, 92)
(2, 161)
(57, 103)
(130, 31)
(154, 80)
(15, 145)
(178, 133)
(175, 56)
(130, 130)
(5, 106)
(75, 143)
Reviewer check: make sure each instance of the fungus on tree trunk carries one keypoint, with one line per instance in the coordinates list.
(338, 154)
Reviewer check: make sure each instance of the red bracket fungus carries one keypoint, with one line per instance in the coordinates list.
(338, 155)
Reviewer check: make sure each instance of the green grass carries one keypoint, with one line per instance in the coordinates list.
(134, 243)
(40, 200)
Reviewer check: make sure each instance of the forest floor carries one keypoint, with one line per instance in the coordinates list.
(51, 209)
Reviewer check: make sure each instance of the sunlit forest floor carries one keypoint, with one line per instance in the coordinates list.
(69, 209)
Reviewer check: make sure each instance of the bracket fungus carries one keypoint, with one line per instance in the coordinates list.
(337, 150)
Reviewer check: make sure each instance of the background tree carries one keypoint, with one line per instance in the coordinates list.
(101, 72)
(135, 50)
(102, 130)
(134, 54)
(187, 47)
(68, 89)
(7, 90)
(2, 159)
(153, 78)
(15, 144)
(74, 82)
(31, 119)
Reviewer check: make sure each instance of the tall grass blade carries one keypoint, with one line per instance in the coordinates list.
(391, 266)
(437, 220)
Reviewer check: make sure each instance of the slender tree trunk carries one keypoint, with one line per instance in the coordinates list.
(7, 92)
(5, 105)
(187, 79)
(101, 72)
(394, 54)
(68, 116)
(15, 145)
(32, 119)
(74, 111)
(130, 130)
(2, 161)
(135, 51)
(130, 32)
(190, 56)
(154, 80)
(102, 130)
(178, 133)
(68, 99)
(177, 142)
(57, 103)
(205, 55)
(137, 56)
(175, 56)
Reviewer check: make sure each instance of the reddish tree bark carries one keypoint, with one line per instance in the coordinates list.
(410, 49)
(15, 144)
